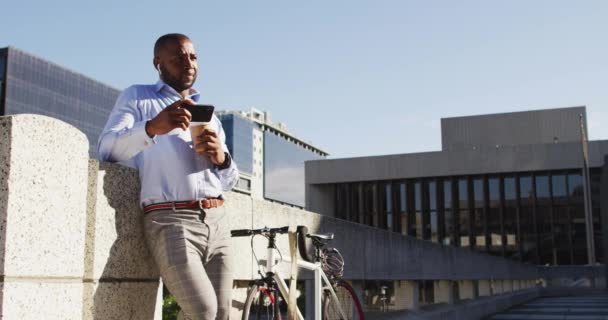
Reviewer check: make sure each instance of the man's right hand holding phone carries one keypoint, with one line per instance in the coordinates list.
(170, 118)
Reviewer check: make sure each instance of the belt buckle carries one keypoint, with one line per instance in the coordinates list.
(200, 204)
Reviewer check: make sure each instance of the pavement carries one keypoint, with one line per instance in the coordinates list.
(589, 307)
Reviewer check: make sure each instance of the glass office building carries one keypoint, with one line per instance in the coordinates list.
(270, 159)
(239, 140)
(284, 168)
(33, 85)
(510, 185)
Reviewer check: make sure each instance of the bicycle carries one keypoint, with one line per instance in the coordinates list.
(383, 299)
(334, 298)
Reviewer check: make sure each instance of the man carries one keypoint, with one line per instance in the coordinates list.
(181, 180)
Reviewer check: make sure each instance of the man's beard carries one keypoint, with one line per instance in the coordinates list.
(174, 82)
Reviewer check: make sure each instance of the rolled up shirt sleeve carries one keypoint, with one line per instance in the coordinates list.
(124, 135)
(228, 177)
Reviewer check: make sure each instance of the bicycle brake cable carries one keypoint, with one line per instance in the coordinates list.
(255, 256)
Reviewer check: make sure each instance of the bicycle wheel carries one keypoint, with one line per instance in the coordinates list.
(348, 301)
(261, 303)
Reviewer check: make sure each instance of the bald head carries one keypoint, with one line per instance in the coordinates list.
(168, 39)
(176, 61)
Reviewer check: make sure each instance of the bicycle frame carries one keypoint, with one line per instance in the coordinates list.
(319, 278)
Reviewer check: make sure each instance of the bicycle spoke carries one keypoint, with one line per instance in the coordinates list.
(347, 302)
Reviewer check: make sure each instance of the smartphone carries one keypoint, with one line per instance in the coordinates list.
(200, 112)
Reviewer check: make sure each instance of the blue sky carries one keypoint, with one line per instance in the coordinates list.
(355, 78)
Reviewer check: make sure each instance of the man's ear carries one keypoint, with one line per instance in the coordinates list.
(156, 62)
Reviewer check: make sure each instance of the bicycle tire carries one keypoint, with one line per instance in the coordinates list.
(348, 301)
(257, 307)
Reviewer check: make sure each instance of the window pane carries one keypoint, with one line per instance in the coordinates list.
(478, 192)
(388, 206)
(402, 197)
(463, 194)
(542, 188)
(433, 195)
(417, 196)
(575, 186)
(403, 208)
(418, 208)
(559, 185)
(478, 232)
(447, 194)
(493, 188)
(464, 216)
(433, 211)
(510, 191)
(525, 188)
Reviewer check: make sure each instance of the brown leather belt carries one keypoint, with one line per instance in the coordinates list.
(195, 204)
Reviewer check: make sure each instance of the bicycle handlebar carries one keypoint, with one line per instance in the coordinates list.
(252, 232)
(301, 231)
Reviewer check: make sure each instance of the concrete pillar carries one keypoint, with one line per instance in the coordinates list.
(507, 285)
(497, 287)
(407, 295)
(42, 218)
(485, 288)
(516, 285)
(467, 289)
(444, 291)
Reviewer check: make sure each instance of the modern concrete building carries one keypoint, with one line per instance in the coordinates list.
(509, 184)
(29, 84)
(270, 158)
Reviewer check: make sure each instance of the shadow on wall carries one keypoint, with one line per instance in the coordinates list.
(127, 288)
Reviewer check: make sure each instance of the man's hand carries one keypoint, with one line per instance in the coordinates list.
(209, 145)
(170, 118)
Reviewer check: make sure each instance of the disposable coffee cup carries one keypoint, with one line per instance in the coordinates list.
(196, 129)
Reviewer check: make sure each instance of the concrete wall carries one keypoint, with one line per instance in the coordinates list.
(458, 162)
(71, 242)
(70, 232)
(513, 128)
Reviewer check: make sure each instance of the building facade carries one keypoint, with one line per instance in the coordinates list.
(29, 84)
(270, 159)
(507, 184)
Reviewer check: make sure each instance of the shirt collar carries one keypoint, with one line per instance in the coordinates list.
(160, 85)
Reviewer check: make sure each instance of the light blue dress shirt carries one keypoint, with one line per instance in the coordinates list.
(169, 168)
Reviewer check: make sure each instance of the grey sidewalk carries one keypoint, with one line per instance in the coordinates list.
(592, 307)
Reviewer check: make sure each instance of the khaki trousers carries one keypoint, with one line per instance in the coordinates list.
(192, 251)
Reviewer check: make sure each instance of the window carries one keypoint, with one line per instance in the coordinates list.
(463, 215)
(388, 205)
(542, 188)
(433, 223)
(448, 213)
(478, 222)
(510, 218)
(403, 208)
(497, 237)
(575, 187)
(527, 220)
(559, 188)
(418, 208)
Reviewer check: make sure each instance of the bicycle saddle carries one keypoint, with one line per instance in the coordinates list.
(321, 237)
